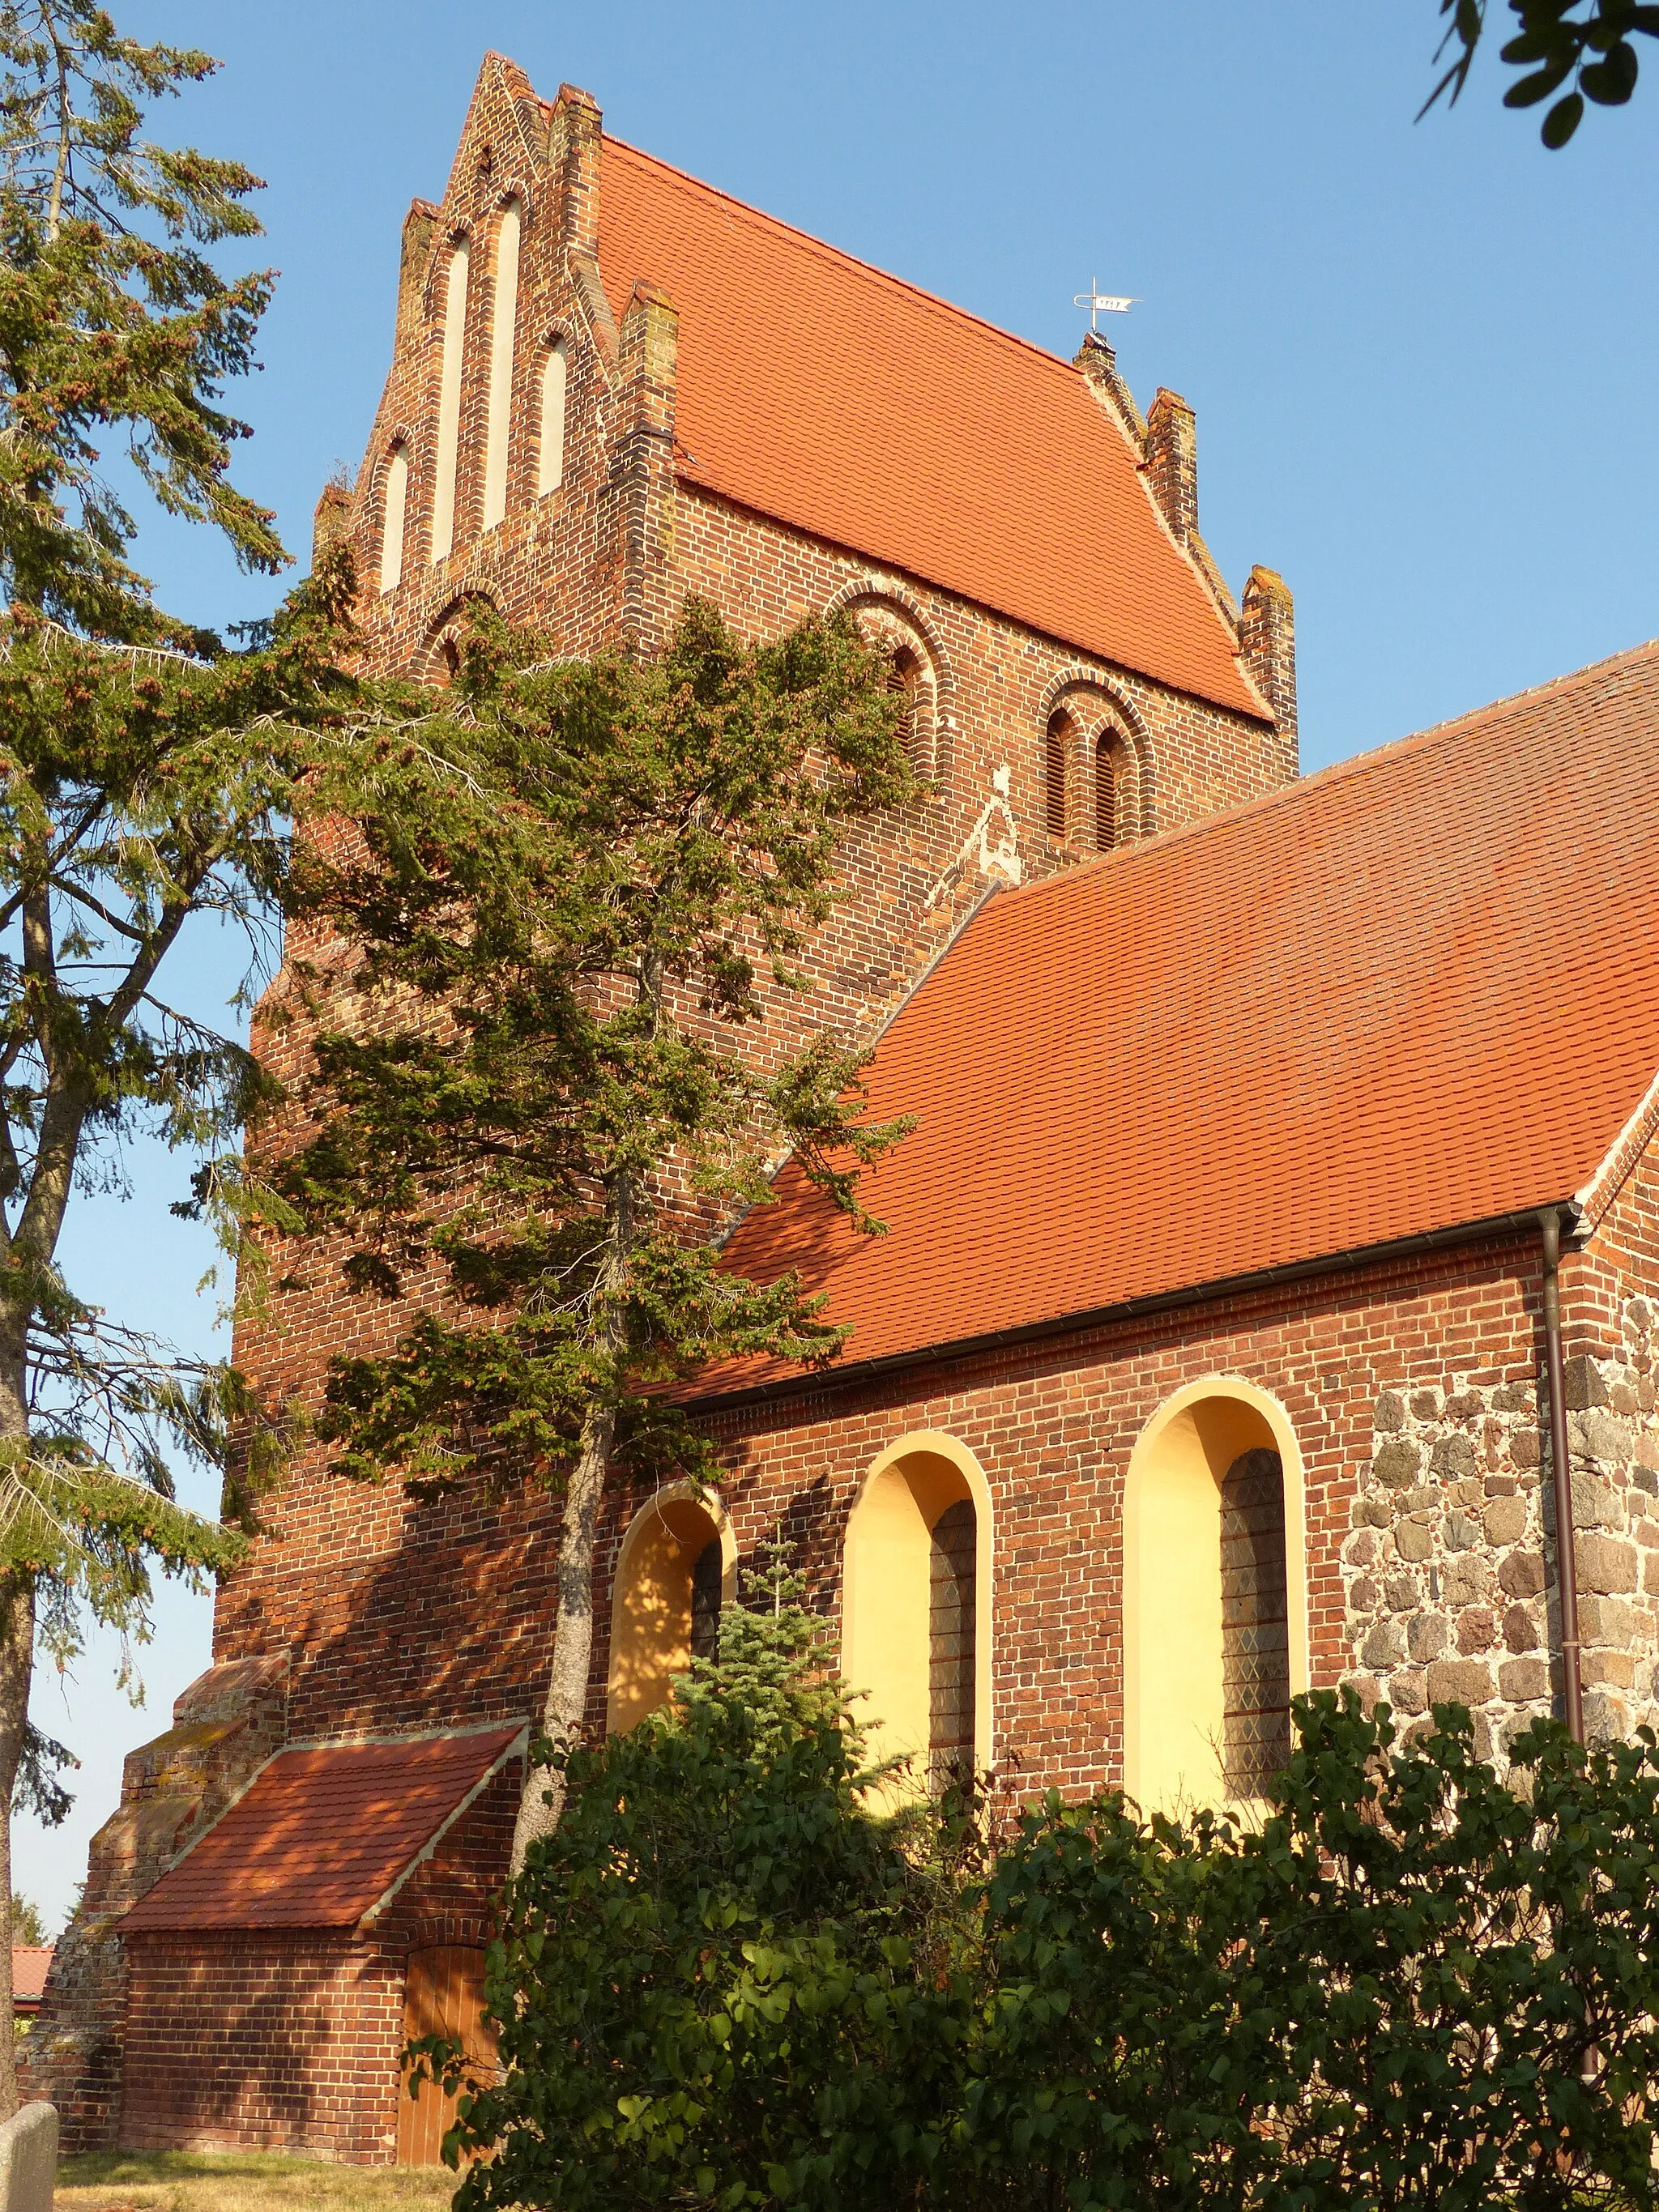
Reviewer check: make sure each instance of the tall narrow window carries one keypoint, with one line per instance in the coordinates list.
(707, 1577)
(904, 678)
(449, 402)
(556, 374)
(952, 1606)
(1054, 775)
(1256, 1651)
(394, 502)
(1105, 793)
(504, 315)
(665, 1604)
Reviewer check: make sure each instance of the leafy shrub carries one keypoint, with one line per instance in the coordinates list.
(1412, 1986)
(719, 1980)
(727, 1981)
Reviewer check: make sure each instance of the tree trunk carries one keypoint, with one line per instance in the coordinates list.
(16, 1671)
(16, 1667)
(566, 1702)
(565, 1706)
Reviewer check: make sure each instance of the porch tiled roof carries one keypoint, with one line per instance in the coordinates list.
(322, 1834)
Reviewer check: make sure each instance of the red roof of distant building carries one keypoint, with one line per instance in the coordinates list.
(29, 1965)
(323, 1833)
(1417, 991)
(820, 392)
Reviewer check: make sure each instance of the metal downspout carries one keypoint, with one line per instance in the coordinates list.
(1566, 1565)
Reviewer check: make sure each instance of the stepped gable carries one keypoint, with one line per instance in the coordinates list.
(827, 395)
(324, 1832)
(1416, 992)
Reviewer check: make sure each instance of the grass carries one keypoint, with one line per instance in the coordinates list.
(188, 2181)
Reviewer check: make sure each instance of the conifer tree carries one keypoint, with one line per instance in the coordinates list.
(563, 937)
(147, 778)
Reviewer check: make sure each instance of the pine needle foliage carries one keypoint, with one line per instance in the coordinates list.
(148, 782)
(28, 1922)
(576, 886)
(112, 313)
(143, 794)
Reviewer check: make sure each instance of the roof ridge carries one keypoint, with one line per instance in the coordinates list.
(839, 253)
(1332, 772)
(1527, 691)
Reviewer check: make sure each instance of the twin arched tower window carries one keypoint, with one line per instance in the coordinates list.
(1056, 745)
(904, 680)
(1088, 790)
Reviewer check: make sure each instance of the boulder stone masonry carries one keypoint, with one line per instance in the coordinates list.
(1449, 1571)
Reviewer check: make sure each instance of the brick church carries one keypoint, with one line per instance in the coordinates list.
(1265, 1126)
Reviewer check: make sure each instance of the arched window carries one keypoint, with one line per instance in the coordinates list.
(556, 378)
(674, 1573)
(914, 1620)
(708, 1578)
(503, 319)
(1054, 774)
(1255, 1650)
(904, 678)
(394, 503)
(952, 1624)
(1215, 1625)
(1105, 793)
(449, 401)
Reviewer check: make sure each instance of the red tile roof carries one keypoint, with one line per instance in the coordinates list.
(816, 389)
(28, 1973)
(322, 1834)
(1417, 991)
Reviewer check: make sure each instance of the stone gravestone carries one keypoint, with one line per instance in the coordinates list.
(29, 2159)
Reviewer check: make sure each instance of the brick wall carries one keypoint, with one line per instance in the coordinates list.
(261, 2041)
(225, 1725)
(395, 1613)
(1412, 1392)
(607, 559)
(265, 2039)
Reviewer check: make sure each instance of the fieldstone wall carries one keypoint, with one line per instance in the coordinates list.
(1449, 1568)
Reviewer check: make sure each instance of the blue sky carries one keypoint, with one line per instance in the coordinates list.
(1421, 356)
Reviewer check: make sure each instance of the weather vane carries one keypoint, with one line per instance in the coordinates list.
(1098, 303)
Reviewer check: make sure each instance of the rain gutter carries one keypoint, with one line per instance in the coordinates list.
(1524, 1222)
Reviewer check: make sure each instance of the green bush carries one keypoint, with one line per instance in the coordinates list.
(722, 1979)
(1414, 1985)
(727, 1981)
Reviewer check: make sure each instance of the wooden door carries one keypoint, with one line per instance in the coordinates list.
(443, 1995)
